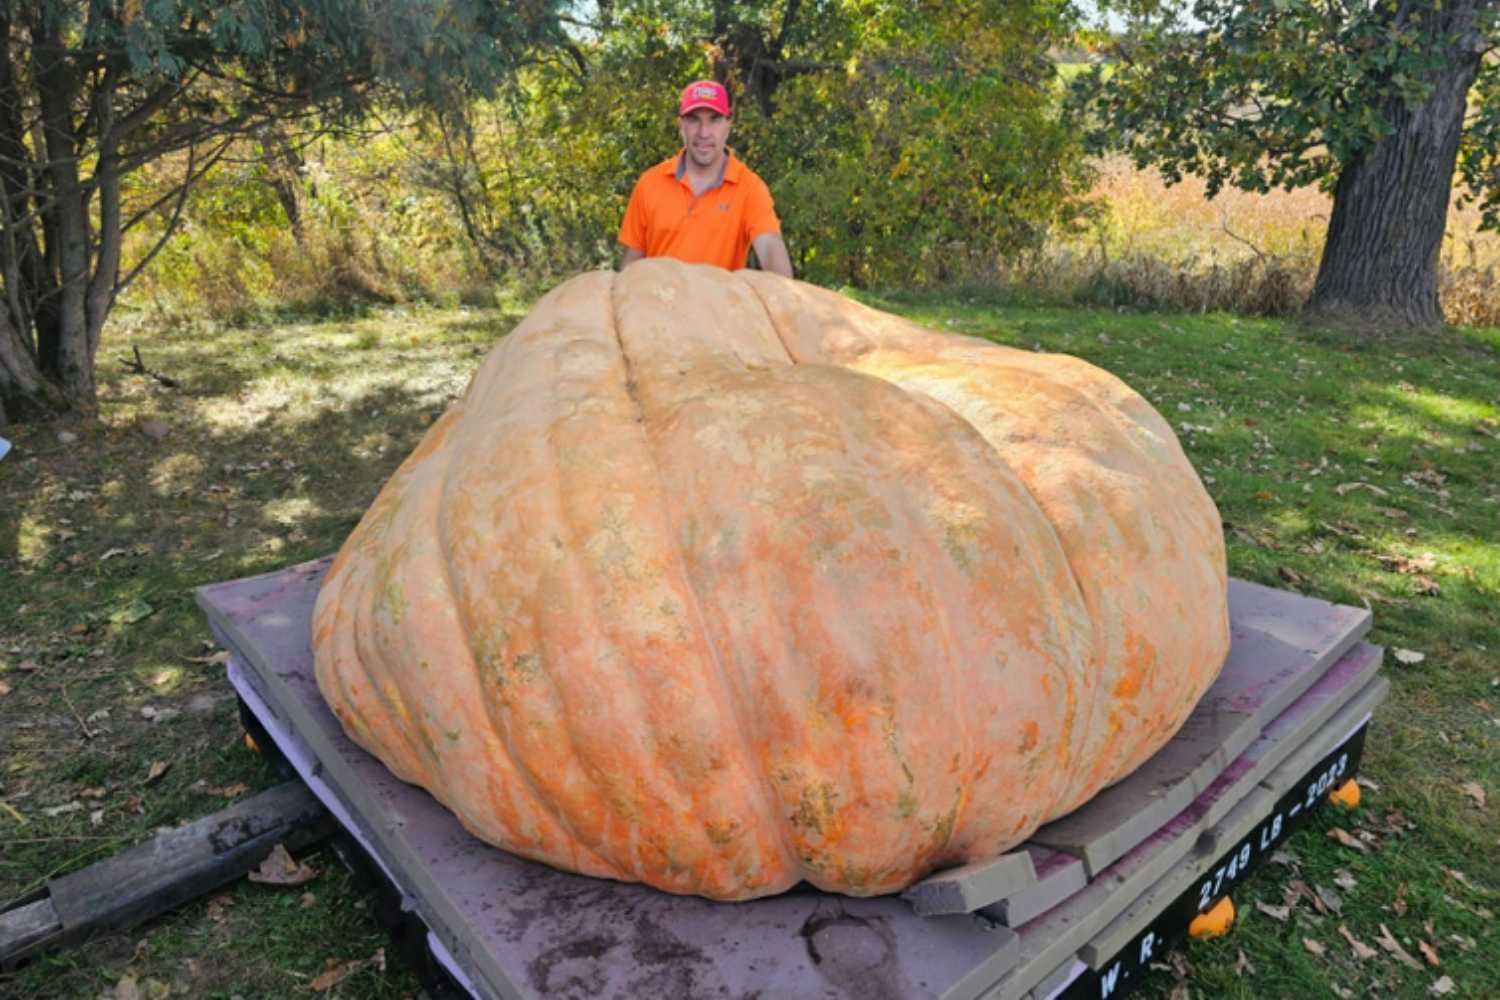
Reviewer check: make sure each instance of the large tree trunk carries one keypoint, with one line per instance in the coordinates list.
(1390, 204)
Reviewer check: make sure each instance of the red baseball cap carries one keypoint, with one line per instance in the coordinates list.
(704, 94)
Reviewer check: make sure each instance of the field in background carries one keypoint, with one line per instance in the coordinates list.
(1163, 246)
(1360, 476)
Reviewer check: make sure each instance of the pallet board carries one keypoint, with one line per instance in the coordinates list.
(1279, 648)
(514, 928)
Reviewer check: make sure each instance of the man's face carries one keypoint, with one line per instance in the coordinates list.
(705, 133)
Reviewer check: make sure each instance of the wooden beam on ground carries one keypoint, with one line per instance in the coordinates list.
(170, 869)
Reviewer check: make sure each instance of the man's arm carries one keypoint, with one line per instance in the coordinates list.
(630, 256)
(770, 250)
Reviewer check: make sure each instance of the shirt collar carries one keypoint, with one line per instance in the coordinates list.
(729, 170)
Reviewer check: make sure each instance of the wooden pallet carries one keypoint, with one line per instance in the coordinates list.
(1062, 917)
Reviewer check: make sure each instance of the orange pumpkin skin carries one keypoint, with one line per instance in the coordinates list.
(721, 581)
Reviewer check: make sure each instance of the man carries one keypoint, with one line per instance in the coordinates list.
(703, 205)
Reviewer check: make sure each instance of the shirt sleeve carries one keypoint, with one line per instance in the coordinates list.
(760, 211)
(633, 226)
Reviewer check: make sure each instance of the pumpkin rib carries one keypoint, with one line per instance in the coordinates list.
(725, 689)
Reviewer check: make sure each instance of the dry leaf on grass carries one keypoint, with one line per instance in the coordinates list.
(1475, 791)
(280, 868)
(335, 972)
(1408, 656)
(158, 768)
(1343, 879)
(1442, 987)
(306, 901)
(1330, 899)
(1429, 953)
(1242, 965)
(1362, 951)
(1343, 489)
(1280, 913)
(1399, 903)
(4, 689)
(1347, 839)
(1390, 944)
(221, 657)
(1314, 947)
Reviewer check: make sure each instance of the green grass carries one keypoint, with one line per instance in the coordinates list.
(281, 436)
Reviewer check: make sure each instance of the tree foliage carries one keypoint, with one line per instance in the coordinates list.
(904, 143)
(92, 91)
(1286, 93)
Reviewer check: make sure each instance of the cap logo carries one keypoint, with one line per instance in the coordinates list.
(707, 92)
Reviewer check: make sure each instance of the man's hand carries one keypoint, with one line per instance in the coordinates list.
(770, 250)
(630, 256)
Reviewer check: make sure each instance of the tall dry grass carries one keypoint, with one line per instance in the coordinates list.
(1151, 244)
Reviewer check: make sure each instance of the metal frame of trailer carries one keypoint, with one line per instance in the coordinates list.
(1081, 910)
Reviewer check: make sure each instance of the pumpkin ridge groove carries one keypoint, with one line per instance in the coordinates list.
(770, 319)
(742, 730)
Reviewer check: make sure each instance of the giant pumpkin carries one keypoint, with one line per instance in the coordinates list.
(719, 582)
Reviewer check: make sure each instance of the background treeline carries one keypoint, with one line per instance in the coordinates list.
(907, 144)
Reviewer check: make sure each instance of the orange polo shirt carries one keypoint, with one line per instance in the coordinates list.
(665, 219)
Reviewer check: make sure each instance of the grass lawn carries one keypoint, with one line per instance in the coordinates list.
(1364, 473)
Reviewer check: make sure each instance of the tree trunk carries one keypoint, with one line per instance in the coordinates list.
(1390, 205)
(58, 86)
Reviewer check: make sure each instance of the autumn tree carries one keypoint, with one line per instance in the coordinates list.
(1381, 102)
(93, 90)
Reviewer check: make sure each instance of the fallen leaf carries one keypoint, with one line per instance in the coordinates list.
(1390, 944)
(1442, 987)
(64, 809)
(158, 768)
(1458, 877)
(1347, 839)
(1399, 904)
(1429, 953)
(1367, 782)
(1463, 941)
(280, 868)
(335, 972)
(1362, 951)
(111, 553)
(1475, 791)
(1280, 913)
(1281, 857)
(26, 666)
(1330, 899)
(1408, 656)
(96, 818)
(4, 689)
(218, 907)
(1289, 575)
(126, 989)
(1345, 488)
(1314, 947)
(221, 657)
(1242, 965)
(1344, 880)
(306, 901)
(1394, 513)
(1426, 585)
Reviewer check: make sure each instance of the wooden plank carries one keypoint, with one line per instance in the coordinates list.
(170, 869)
(969, 887)
(1058, 876)
(1280, 644)
(25, 928)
